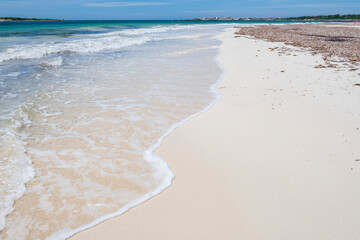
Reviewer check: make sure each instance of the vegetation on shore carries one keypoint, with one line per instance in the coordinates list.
(26, 19)
(327, 17)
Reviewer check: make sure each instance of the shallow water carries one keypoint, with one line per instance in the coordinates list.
(81, 111)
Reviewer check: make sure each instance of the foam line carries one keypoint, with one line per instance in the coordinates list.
(154, 158)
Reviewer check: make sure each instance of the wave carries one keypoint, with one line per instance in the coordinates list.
(190, 51)
(93, 43)
(88, 45)
(52, 62)
(150, 30)
(15, 165)
(150, 156)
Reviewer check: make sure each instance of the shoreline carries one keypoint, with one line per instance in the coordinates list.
(150, 155)
(130, 125)
(226, 188)
(152, 151)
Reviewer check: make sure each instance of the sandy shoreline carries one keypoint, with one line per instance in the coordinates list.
(276, 158)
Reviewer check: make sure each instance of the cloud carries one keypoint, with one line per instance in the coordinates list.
(124, 4)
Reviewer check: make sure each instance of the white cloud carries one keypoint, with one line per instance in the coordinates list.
(124, 4)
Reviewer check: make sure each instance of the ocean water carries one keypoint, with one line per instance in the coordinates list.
(83, 105)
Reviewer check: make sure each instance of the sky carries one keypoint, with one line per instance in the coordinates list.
(172, 9)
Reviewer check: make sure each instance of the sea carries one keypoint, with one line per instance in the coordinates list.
(83, 106)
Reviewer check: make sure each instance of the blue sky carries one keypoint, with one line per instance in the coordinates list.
(173, 9)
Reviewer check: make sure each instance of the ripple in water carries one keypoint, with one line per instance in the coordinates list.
(90, 128)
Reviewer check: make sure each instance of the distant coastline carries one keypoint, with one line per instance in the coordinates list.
(16, 19)
(337, 17)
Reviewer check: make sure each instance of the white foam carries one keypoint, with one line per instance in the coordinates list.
(13, 74)
(145, 31)
(134, 32)
(10, 95)
(16, 169)
(92, 43)
(15, 165)
(52, 62)
(88, 45)
(189, 51)
(164, 170)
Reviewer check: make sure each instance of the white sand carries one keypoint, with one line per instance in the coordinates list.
(275, 158)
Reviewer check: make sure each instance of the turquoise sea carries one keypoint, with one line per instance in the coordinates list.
(83, 106)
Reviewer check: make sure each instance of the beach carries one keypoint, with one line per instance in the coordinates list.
(277, 157)
(179, 130)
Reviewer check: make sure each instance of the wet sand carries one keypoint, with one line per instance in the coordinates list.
(277, 157)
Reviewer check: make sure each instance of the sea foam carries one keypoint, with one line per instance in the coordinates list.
(16, 167)
(91, 44)
(93, 122)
